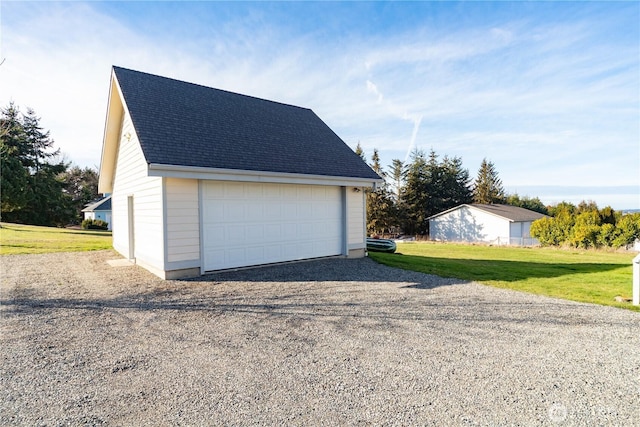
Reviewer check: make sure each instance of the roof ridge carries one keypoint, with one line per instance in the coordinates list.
(116, 67)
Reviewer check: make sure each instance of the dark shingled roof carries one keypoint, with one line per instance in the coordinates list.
(185, 124)
(512, 213)
(100, 205)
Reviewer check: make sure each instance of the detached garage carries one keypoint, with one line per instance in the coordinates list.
(203, 179)
(495, 224)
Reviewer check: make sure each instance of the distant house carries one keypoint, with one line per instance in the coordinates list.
(494, 224)
(99, 210)
(204, 179)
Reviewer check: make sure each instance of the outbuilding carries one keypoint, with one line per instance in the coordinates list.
(99, 210)
(203, 179)
(495, 224)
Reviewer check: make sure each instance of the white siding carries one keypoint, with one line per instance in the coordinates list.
(469, 225)
(183, 221)
(356, 230)
(131, 180)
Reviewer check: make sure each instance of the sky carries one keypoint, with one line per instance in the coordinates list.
(548, 92)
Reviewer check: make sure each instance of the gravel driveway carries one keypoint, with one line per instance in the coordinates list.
(330, 342)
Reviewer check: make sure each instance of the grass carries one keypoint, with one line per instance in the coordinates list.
(585, 276)
(31, 239)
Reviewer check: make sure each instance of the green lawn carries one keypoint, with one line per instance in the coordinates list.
(578, 275)
(30, 239)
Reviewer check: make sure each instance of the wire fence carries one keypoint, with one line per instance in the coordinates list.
(516, 241)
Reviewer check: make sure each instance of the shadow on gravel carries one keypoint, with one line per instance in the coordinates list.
(338, 288)
(467, 310)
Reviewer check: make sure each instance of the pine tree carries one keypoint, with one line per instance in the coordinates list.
(82, 187)
(32, 189)
(397, 176)
(457, 184)
(14, 175)
(360, 152)
(414, 195)
(380, 204)
(488, 187)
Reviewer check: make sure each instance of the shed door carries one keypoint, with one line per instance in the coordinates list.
(248, 224)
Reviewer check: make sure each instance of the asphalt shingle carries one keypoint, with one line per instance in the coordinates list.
(185, 124)
(513, 213)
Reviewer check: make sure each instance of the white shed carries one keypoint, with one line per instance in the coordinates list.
(99, 210)
(203, 179)
(495, 224)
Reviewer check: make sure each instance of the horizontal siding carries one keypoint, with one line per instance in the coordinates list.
(183, 220)
(131, 180)
(355, 217)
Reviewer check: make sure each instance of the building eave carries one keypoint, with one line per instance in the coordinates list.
(177, 171)
(110, 142)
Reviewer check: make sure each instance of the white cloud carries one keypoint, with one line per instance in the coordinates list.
(537, 98)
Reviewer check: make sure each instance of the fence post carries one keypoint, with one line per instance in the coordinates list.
(636, 280)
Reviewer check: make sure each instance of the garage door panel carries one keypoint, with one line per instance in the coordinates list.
(216, 213)
(272, 232)
(233, 190)
(254, 213)
(255, 223)
(213, 235)
(234, 210)
(272, 211)
(255, 232)
(213, 191)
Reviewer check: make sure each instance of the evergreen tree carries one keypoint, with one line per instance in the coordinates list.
(414, 195)
(488, 187)
(379, 202)
(397, 176)
(360, 152)
(32, 189)
(533, 204)
(14, 175)
(456, 184)
(82, 186)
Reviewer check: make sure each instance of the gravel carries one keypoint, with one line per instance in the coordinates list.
(329, 342)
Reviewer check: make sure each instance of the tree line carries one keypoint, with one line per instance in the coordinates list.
(427, 185)
(37, 186)
(586, 226)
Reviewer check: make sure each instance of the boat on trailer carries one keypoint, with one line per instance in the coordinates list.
(381, 245)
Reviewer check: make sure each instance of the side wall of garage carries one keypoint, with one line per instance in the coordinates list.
(356, 221)
(182, 227)
(137, 207)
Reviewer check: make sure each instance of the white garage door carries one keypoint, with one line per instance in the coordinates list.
(251, 223)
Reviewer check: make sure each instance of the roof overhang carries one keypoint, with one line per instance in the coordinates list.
(110, 140)
(173, 171)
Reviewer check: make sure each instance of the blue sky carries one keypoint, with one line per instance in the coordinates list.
(549, 92)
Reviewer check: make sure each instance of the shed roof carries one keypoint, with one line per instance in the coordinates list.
(511, 213)
(100, 205)
(188, 125)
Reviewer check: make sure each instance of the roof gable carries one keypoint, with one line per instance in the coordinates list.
(100, 205)
(188, 125)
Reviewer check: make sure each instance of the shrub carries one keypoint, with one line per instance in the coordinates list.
(546, 231)
(95, 224)
(627, 230)
(586, 227)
